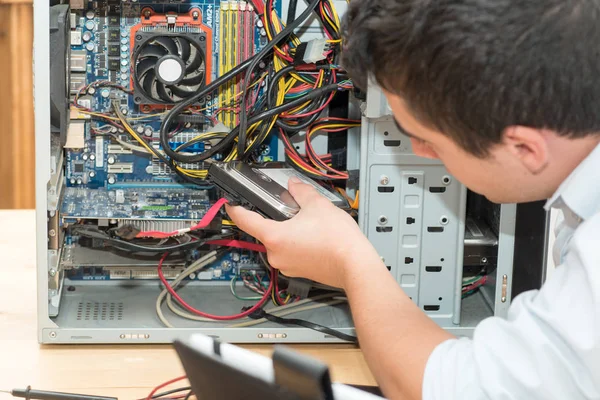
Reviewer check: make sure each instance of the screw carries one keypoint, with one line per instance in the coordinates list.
(195, 14)
(147, 13)
(446, 180)
(384, 180)
(52, 272)
(52, 335)
(52, 232)
(383, 220)
(484, 260)
(444, 220)
(122, 336)
(260, 335)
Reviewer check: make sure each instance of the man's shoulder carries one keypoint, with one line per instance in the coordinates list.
(587, 236)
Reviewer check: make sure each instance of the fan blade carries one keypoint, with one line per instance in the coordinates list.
(152, 51)
(179, 92)
(148, 83)
(185, 49)
(162, 92)
(196, 62)
(144, 66)
(168, 44)
(193, 81)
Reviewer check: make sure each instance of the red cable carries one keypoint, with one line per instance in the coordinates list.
(239, 245)
(204, 222)
(203, 314)
(162, 385)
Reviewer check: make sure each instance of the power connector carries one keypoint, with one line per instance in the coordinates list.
(311, 52)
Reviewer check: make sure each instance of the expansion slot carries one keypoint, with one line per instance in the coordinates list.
(120, 168)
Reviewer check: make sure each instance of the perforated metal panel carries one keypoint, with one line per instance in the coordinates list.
(413, 211)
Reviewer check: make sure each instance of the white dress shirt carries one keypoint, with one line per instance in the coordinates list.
(549, 346)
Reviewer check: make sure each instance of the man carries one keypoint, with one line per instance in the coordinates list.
(507, 94)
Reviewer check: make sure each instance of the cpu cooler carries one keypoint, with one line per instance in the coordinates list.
(60, 51)
(168, 67)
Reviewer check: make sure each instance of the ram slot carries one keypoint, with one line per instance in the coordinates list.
(232, 35)
(223, 50)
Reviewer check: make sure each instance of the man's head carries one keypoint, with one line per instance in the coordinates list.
(505, 92)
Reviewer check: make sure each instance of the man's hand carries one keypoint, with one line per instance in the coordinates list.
(320, 243)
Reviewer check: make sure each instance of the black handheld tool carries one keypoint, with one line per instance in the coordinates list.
(30, 394)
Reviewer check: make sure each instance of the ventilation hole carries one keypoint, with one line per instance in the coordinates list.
(99, 311)
(441, 259)
(386, 133)
(384, 229)
(432, 308)
(385, 189)
(437, 189)
(435, 229)
(439, 298)
(408, 260)
(412, 180)
(389, 267)
(410, 221)
(433, 269)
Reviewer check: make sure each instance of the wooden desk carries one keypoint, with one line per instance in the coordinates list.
(128, 372)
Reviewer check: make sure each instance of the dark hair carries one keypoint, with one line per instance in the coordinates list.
(472, 68)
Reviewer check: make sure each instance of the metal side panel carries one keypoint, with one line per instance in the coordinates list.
(43, 168)
(413, 212)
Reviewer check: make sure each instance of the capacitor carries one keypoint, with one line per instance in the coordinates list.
(124, 62)
(124, 56)
(92, 174)
(84, 157)
(90, 25)
(124, 41)
(90, 14)
(87, 36)
(72, 180)
(105, 93)
(92, 157)
(149, 169)
(124, 77)
(148, 132)
(91, 90)
(124, 34)
(260, 24)
(192, 276)
(235, 257)
(263, 32)
(113, 129)
(126, 70)
(110, 160)
(125, 110)
(111, 180)
(140, 129)
(124, 48)
(89, 46)
(79, 181)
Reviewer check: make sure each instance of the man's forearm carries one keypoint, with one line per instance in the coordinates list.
(395, 335)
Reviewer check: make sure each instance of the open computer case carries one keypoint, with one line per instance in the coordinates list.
(108, 73)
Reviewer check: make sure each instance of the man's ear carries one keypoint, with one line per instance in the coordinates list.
(529, 146)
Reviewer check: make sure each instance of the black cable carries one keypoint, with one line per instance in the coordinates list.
(289, 29)
(258, 314)
(180, 107)
(259, 117)
(190, 394)
(163, 394)
(134, 247)
(293, 5)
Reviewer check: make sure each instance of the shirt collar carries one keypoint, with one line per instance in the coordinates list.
(580, 192)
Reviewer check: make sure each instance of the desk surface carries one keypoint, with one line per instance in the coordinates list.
(127, 372)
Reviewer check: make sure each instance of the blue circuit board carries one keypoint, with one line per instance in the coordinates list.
(105, 47)
(142, 203)
(224, 269)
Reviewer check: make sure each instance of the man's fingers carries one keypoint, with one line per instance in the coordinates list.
(301, 192)
(250, 222)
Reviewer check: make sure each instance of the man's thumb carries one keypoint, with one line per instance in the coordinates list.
(248, 221)
(301, 192)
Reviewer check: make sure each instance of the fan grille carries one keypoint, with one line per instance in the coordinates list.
(184, 52)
